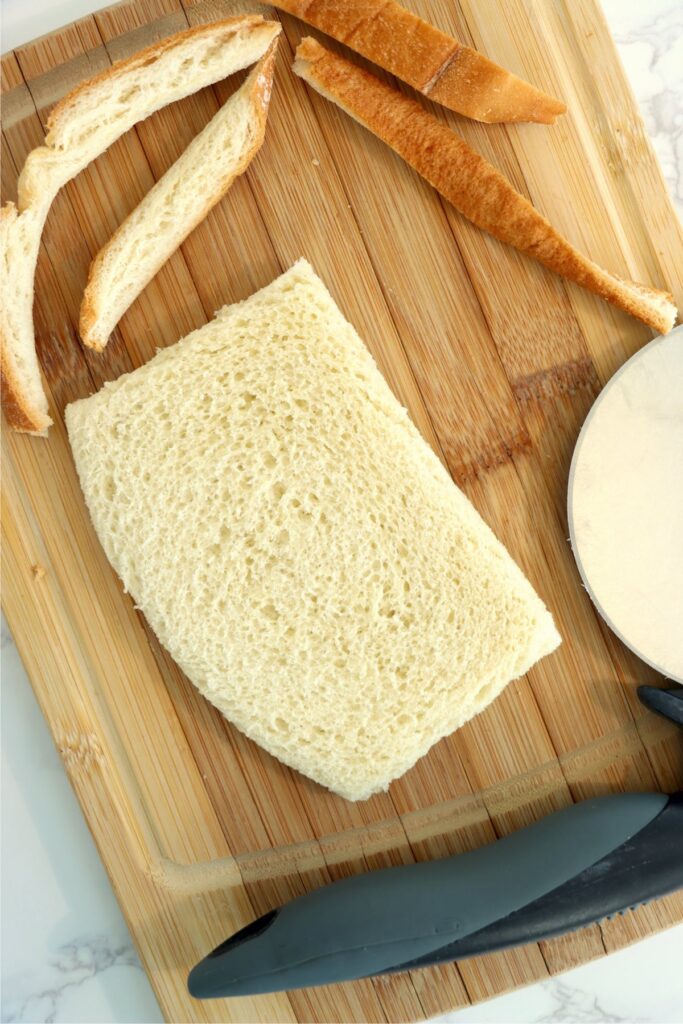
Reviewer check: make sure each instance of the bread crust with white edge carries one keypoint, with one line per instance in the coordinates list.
(434, 63)
(176, 204)
(80, 127)
(297, 546)
(468, 181)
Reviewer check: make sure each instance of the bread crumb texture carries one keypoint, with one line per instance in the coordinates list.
(296, 545)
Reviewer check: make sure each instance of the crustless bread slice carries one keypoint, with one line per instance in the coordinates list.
(176, 204)
(468, 181)
(79, 128)
(432, 62)
(296, 545)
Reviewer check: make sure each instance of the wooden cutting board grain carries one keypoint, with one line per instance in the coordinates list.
(498, 363)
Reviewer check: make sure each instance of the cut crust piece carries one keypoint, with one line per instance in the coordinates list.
(434, 63)
(81, 127)
(468, 181)
(176, 204)
(23, 399)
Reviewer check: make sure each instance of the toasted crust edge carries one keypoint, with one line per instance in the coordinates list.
(498, 95)
(454, 75)
(19, 413)
(260, 92)
(528, 230)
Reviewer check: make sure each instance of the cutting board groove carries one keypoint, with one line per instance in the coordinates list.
(498, 363)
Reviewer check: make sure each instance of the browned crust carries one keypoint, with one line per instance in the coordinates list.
(19, 413)
(87, 316)
(261, 79)
(147, 56)
(433, 62)
(467, 180)
(492, 93)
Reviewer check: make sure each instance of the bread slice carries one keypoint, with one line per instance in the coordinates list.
(468, 181)
(176, 204)
(434, 63)
(296, 545)
(23, 398)
(79, 128)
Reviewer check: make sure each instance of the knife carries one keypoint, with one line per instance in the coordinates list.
(590, 860)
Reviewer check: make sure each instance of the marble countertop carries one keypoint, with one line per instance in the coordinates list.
(66, 952)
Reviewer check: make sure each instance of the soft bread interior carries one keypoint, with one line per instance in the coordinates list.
(297, 546)
(176, 204)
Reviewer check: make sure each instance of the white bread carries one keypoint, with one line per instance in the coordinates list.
(434, 63)
(176, 204)
(81, 127)
(468, 181)
(23, 398)
(296, 545)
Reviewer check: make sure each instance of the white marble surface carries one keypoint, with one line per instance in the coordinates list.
(66, 952)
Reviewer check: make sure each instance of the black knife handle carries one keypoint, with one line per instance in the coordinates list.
(648, 865)
(667, 702)
(421, 913)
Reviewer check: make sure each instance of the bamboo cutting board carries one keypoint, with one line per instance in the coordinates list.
(498, 363)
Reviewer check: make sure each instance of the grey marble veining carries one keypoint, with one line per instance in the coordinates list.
(649, 37)
(40, 995)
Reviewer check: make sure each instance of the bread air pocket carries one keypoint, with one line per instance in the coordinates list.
(297, 546)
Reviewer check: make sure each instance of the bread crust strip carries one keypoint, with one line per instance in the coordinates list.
(434, 63)
(176, 204)
(81, 126)
(468, 181)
